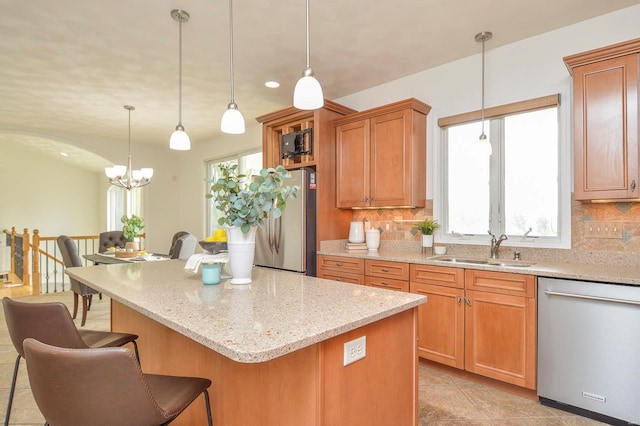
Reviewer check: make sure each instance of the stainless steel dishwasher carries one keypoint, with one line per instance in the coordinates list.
(589, 349)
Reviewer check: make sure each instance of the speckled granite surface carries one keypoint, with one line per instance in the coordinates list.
(609, 267)
(278, 313)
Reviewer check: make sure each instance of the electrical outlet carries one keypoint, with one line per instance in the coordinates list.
(603, 230)
(355, 350)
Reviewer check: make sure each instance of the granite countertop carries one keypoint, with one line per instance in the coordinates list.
(607, 273)
(278, 313)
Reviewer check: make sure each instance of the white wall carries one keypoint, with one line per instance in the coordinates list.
(40, 192)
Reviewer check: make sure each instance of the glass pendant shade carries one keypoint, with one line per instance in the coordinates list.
(308, 93)
(232, 121)
(180, 140)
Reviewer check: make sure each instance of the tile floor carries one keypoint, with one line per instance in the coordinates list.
(444, 399)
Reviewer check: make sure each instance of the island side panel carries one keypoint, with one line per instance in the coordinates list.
(282, 392)
(380, 389)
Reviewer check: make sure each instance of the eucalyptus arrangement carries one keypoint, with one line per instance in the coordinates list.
(246, 201)
(132, 226)
(426, 226)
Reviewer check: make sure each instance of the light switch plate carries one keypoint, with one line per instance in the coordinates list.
(603, 230)
(355, 350)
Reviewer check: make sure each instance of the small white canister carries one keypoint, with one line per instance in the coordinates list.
(373, 239)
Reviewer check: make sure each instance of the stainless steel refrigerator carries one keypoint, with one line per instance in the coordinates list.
(289, 242)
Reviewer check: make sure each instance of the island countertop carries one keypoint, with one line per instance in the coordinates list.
(278, 313)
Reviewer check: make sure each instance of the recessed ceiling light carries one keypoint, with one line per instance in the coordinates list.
(272, 84)
(64, 154)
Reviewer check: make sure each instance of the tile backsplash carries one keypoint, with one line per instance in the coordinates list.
(395, 224)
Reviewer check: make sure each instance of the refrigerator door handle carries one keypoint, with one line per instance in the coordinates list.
(277, 234)
(270, 234)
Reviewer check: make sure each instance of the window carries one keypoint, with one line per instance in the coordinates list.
(120, 202)
(246, 162)
(515, 190)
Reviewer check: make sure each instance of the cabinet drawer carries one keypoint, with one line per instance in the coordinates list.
(341, 264)
(389, 283)
(437, 275)
(500, 282)
(385, 269)
(341, 276)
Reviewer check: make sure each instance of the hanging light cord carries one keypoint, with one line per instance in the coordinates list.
(308, 60)
(180, 72)
(482, 113)
(231, 49)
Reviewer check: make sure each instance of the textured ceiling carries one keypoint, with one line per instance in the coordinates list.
(68, 66)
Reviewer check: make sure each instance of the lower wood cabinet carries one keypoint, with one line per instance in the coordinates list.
(480, 321)
(374, 273)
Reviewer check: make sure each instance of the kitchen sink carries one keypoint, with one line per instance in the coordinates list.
(490, 262)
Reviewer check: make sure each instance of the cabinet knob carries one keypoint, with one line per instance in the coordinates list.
(338, 263)
(459, 300)
(385, 270)
(633, 185)
(467, 301)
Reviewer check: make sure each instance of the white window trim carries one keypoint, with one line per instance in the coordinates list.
(565, 174)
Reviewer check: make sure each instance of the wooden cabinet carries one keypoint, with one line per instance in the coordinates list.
(339, 268)
(480, 321)
(385, 274)
(331, 223)
(374, 273)
(605, 103)
(441, 318)
(381, 156)
(500, 326)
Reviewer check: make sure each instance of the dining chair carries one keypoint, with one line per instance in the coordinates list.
(184, 247)
(111, 239)
(71, 258)
(174, 241)
(51, 323)
(105, 387)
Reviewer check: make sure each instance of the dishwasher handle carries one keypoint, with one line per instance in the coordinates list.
(585, 296)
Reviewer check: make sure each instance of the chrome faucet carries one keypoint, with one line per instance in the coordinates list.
(495, 244)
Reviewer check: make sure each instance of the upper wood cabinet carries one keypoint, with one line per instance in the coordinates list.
(605, 103)
(331, 223)
(381, 156)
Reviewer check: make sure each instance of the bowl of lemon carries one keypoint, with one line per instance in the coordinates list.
(215, 243)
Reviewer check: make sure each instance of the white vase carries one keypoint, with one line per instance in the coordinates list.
(241, 248)
(356, 232)
(427, 240)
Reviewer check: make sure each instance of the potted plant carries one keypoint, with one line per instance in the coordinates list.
(426, 227)
(246, 202)
(131, 229)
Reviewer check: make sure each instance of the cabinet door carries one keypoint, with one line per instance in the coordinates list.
(606, 129)
(500, 337)
(352, 165)
(441, 324)
(391, 178)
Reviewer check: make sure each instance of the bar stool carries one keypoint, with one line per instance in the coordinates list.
(51, 323)
(105, 387)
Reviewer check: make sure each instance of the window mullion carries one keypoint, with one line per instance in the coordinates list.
(496, 173)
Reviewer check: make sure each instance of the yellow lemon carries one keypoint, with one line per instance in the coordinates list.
(220, 235)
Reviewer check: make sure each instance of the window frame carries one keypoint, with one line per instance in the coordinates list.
(209, 207)
(497, 170)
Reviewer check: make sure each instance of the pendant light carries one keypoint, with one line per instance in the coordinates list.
(179, 138)
(232, 119)
(308, 93)
(482, 38)
(125, 176)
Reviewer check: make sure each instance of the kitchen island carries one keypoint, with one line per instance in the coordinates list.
(273, 349)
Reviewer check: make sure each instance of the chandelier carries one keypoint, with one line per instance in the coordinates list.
(125, 176)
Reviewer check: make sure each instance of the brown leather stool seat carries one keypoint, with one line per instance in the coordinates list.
(105, 387)
(51, 323)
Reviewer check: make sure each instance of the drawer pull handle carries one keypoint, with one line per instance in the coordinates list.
(338, 263)
(459, 299)
(384, 283)
(385, 270)
(339, 279)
